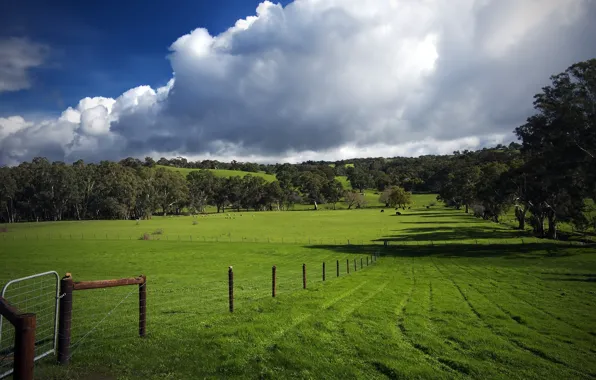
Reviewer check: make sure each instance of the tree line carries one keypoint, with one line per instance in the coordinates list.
(50, 191)
(545, 179)
(553, 175)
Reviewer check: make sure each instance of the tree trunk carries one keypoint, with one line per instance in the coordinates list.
(316, 208)
(539, 225)
(467, 209)
(520, 214)
(552, 225)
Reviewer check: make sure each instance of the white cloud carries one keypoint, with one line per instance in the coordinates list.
(17, 57)
(333, 79)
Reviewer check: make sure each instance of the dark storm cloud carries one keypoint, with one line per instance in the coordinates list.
(334, 78)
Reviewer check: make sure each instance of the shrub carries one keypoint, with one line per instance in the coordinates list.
(145, 236)
(478, 210)
(195, 222)
(3, 229)
(158, 231)
(432, 204)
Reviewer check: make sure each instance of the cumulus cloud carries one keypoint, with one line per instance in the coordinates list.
(332, 79)
(17, 57)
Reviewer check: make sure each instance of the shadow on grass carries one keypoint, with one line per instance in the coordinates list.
(429, 234)
(446, 213)
(510, 251)
(439, 222)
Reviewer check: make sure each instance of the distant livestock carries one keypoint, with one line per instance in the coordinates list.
(382, 210)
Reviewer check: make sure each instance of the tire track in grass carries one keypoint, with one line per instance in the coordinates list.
(507, 312)
(282, 331)
(556, 317)
(518, 320)
(444, 364)
(520, 345)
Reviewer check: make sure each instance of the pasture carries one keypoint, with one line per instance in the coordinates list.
(450, 297)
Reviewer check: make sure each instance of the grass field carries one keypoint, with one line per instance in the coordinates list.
(450, 297)
(223, 172)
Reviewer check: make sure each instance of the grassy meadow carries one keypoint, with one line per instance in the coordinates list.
(451, 296)
(222, 172)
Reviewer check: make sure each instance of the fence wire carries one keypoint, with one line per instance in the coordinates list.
(35, 295)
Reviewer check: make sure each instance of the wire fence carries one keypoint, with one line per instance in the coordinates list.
(105, 322)
(409, 240)
(37, 295)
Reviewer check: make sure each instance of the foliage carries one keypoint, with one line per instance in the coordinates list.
(396, 197)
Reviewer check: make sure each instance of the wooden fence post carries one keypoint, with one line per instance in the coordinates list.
(355, 267)
(231, 288)
(323, 271)
(24, 347)
(366, 260)
(65, 319)
(337, 268)
(143, 307)
(303, 276)
(348, 266)
(273, 270)
(361, 263)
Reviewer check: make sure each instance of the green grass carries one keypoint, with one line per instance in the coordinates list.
(344, 181)
(224, 173)
(451, 297)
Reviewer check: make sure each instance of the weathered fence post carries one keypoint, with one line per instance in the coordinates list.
(143, 307)
(65, 319)
(337, 268)
(273, 270)
(303, 276)
(355, 267)
(24, 347)
(361, 263)
(366, 260)
(348, 266)
(231, 288)
(323, 271)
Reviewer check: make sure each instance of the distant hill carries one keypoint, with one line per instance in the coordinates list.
(223, 173)
(237, 173)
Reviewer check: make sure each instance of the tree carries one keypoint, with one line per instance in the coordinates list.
(354, 198)
(253, 192)
(149, 162)
(274, 195)
(359, 178)
(490, 192)
(560, 142)
(146, 201)
(333, 191)
(171, 189)
(8, 190)
(201, 189)
(311, 187)
(396, 197)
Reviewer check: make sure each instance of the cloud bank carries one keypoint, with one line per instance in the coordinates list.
(328, 80)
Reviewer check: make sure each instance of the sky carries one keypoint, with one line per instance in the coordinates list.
(276, 82)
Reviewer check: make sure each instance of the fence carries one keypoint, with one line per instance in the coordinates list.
(226, 238)
(240, 296)
(24, 342)
(33, 295)
(68, 286)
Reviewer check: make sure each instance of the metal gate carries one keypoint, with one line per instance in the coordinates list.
(36, 294)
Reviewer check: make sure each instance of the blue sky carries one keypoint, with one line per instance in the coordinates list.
(103, 48)
(269, 82)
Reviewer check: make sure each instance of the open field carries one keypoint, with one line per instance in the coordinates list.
(450, 297)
